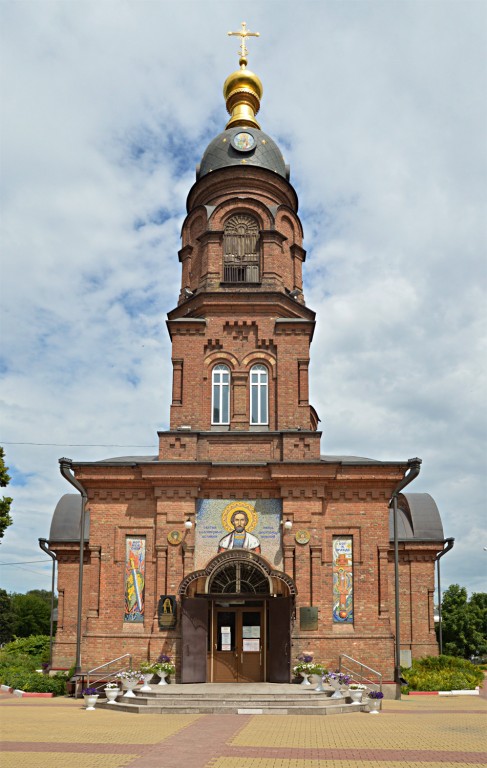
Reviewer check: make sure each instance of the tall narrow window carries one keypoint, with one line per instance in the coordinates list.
(241, 250)
(259, 409)
(220, 407)
(134, 579)
(342, 580)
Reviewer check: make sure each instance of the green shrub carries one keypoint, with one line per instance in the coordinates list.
(442, 673)
(33, 682)
(34, 648)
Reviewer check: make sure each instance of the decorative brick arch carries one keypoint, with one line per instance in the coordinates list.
(256, 357)
(218, 356)
(230, 557)
(245, 206)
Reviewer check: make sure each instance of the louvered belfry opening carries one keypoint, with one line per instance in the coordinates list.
(241, 250)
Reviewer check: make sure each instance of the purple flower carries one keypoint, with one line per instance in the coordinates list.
(163, 658)
(90, 691)
(376, 695)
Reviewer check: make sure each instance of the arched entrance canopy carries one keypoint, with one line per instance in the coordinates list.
(238, 572)
(236, 616)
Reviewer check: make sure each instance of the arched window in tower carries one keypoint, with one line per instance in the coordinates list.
(220, 391)
(241, 250)
(259, 408)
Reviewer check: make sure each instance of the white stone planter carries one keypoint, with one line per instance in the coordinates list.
(337, 694)
(317, 682)
(162, 678)
(305, 677)
(111, 694)
(355, 695)
(129, 686)
(374, 706)
(90, 700)
(147, 678)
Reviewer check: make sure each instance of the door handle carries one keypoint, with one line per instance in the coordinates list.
(241, 658)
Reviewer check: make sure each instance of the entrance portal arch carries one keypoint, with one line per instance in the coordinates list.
(236, 616)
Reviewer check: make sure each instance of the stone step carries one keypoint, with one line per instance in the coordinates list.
(312, 696)
(231, 708)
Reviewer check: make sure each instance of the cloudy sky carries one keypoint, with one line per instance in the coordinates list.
(380, 109)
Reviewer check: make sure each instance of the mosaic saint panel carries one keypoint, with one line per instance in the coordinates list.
(342, 580)
(253, 524)
(134, 579)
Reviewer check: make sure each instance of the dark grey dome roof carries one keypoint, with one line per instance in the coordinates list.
(66, 520)
(220, 153)
(418, 518)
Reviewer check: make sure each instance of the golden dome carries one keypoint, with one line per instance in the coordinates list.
(242, 89)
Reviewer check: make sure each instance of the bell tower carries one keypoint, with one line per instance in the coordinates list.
(241, 330)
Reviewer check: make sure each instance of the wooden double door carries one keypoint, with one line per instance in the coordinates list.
(239, 645)
(222, 642)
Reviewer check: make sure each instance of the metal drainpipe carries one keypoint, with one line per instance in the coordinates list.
(414, 467)
(66, 467)
(45, 548)
(449, 545)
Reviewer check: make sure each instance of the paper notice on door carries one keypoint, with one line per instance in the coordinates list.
(251, 631)
(251, 645)
(226, 647)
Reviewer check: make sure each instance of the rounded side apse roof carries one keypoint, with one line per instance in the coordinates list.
(66, 519)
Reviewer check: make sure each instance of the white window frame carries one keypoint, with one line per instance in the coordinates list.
(262, 386)
(217, 393)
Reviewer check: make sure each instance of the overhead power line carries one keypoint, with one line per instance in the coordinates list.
(81, 445)
(22, 562)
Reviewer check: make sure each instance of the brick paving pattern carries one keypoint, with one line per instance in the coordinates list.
(417, 732)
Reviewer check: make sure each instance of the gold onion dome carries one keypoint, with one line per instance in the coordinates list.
(242, 89)
(242, 143)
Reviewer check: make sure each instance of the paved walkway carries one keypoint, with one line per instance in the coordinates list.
(418, 732)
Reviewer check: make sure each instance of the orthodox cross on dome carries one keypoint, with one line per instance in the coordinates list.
(244, 33)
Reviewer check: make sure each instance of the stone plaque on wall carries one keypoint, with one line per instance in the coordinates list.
(308, 618)
(166, 612)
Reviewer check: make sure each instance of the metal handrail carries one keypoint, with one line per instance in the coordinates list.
(360, 674)
(107, 664)
(103, 677)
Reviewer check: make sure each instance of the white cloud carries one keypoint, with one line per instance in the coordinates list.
(381, 111)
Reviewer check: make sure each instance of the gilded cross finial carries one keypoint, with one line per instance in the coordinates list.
(244, 33)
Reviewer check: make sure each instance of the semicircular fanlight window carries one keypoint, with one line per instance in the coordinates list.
(239, 578)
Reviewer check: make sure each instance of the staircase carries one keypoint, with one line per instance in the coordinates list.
(228, 698)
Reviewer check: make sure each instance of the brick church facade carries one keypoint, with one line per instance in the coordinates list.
(239, 545)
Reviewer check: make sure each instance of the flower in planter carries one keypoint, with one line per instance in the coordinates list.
(90, 692)
(147, 668)
(309, 668)
(375, 695)
(340, 677)
(164, 666)
(111, 685)
(130, 675)
(357, 687)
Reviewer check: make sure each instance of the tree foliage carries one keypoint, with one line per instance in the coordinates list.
(31, 614)
(464, 622)
(6, 633)
(5, 501)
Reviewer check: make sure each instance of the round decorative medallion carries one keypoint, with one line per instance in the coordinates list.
(302, 536)
(243, 141)
(174, 537)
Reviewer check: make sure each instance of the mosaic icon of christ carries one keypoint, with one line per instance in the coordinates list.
(239, 538)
